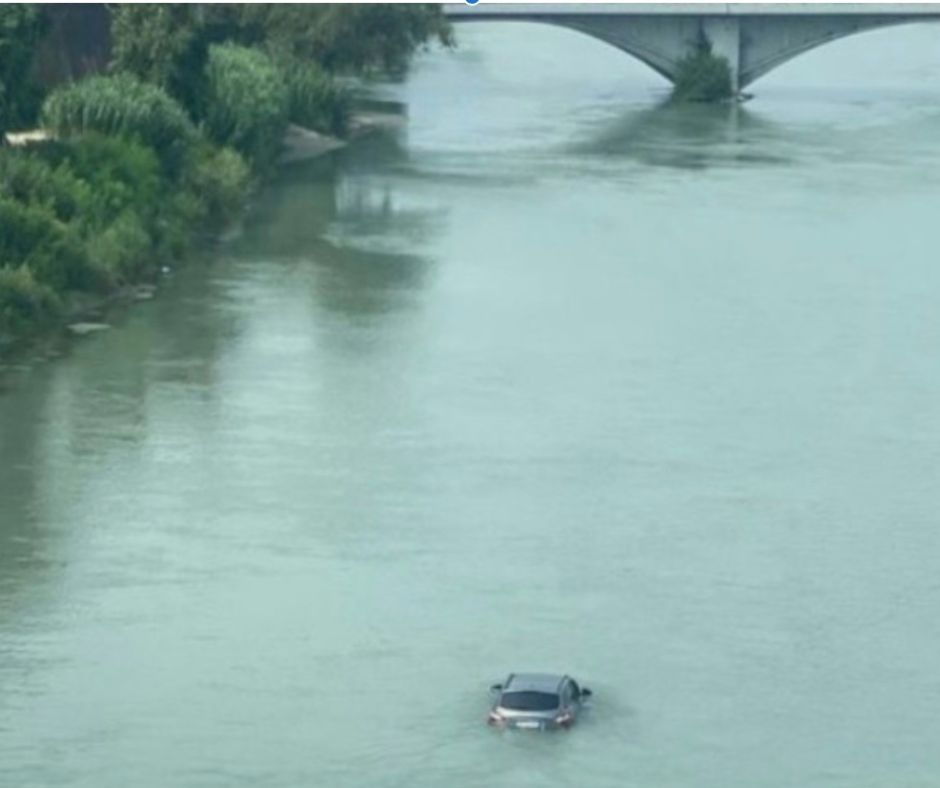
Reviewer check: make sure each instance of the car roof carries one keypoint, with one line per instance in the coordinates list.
(534, 682)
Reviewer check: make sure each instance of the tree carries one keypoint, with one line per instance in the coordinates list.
(350, 38)
(703, 76)
(169, 44)
(161, 44)
(21, 28)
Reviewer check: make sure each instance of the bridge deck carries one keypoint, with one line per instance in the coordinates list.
(491, 11)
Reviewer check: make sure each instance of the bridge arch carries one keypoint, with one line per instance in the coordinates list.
(760, 60)
(755, 39)
(637, 43)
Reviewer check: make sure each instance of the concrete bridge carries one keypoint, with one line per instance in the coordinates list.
(754, 38)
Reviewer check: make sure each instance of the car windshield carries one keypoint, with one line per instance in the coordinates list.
(529, 701)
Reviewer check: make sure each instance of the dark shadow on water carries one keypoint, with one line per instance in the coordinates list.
(61, 422)
(689, 137)
(357, 282)
(344, 219)
(24, 554)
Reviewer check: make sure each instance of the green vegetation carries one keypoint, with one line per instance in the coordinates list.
(169, 46)
(162, 45)
(93, 212)
(148, 159)
(315, 101)
(246, 103)
(24, 303)
(51, 249)
(704, 77)
(21, 28)
(31, 180)
(221, 176)
(116, 174)
(347, 38)
(124, 106)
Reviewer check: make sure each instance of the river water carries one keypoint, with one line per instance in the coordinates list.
(552, 378)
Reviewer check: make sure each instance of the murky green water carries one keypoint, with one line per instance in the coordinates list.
(553, 379)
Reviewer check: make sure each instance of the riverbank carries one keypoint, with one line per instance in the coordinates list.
(84, 312)
(136, 167)
(302, 144)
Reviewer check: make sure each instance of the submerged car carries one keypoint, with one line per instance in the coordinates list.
(537, 701)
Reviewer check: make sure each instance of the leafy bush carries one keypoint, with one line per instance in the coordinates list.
(178, 225)
(123, 251)
(121, 174)
(23, 300)
(32, 180)
(703, 76)
(122, 105)
(126, 179)
(315, 100)
(246, 103)
(220, 178)
(54, 253)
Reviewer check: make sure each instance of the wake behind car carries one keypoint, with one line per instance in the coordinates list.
(537, 701)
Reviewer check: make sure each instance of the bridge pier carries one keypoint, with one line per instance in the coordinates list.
(723, 34)
(662, 42)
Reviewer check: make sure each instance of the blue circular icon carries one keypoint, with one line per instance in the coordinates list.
(472, 2)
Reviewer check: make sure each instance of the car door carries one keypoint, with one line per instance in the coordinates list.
(574, 693)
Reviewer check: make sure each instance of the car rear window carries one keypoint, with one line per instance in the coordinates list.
(529, 701)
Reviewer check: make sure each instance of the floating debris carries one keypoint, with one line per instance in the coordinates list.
(87, 328)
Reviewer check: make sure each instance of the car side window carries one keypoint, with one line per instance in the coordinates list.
(574, 689)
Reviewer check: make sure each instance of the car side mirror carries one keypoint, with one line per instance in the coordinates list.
(496, 688)
(586, 693)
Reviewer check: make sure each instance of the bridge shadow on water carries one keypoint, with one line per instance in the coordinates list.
(688, 137)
